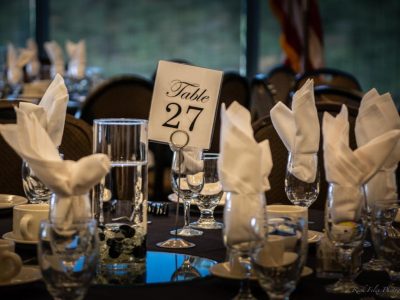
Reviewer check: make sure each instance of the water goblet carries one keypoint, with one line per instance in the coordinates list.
(279, 263)
(68, 257)
(187, 180)
(210, 195)
(300, 192)
(244, 233)
(385, 233)
(345, 225)
(186, 271)
(35, 190)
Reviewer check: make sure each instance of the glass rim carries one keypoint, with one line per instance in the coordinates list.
(120, 121)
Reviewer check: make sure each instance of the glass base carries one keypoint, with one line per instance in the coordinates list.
(343, 287)
(375, 265)
(207, 224)
(175, 243)
(187, 231)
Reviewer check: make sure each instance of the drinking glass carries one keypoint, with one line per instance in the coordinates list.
(244, 232)
(186, 271)
(210, 195)
(35, 190)
(345, 225)
(385, 233)
(278, 265)
(120, 199)
(300, 192)
(377, 185)
(187, 181)
(68, 257)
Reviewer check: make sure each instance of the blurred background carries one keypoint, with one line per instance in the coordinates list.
(359, 36)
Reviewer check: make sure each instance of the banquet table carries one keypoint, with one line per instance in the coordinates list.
(211, 246)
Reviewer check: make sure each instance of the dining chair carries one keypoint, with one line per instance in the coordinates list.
(234, 87)
(281, 80)
(262, 99)
(329, 76)
(264, 129)
(76, 143)
(125, 96)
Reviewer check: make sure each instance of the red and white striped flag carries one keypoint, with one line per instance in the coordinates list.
(290, 14)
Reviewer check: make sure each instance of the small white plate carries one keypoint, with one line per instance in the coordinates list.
(223, 270)
(173, 197)
(27, 274)
(10, 236)
(9, 201)
(314, 236)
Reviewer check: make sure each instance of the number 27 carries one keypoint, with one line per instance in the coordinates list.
(178, 110)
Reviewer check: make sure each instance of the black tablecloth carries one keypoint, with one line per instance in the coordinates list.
(209, 245)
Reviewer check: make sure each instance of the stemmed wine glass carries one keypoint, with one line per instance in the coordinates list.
(345, 225)
(298, 191)
(241, 242)
(210, 195)
(68, 257)
(187, 180)
(185, 271)
(385, 233)
(279, 263)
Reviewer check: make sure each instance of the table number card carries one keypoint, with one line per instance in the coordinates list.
(185, 98)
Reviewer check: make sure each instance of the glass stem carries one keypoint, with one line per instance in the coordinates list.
(345, 260)
(186, 212)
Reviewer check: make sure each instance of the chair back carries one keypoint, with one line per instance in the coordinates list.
(281, 80)
(331, 77)
(126, 96)
(234, 87)
(262, 99)
(264, 129)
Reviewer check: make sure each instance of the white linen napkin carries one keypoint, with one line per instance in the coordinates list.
(299, 130)
(15, 63)
(351, 169)
(33, 66)
(56, 57)
(243, 167)
(70, 180)
(377, 115)
(51, 110)
(77, 59)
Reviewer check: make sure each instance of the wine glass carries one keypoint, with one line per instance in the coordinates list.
(186, 271)
(300, 192)
(187, 181)
(385, 233)
(345, 225)
(278, 265)
(210, 195)
(243, 233)
(68, 257)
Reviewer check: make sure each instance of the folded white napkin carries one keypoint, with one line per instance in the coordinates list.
(70, 180)
(243, 167)
(299, 130)
(377, 115)
(15, 63)
(351, 169)
(33, 66)
(56, 57)
(77, 59)
(51, 110)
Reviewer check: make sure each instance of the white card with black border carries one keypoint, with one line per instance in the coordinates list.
(185, 98)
